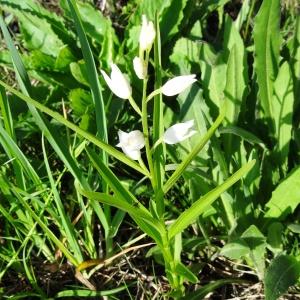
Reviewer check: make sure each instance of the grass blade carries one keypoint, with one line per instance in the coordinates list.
(65, 221)
(92, 76)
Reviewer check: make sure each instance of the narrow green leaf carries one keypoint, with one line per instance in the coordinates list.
(209, 288)
(186, 273)
(87, 293)
(92, 76)
(190, 215)
(283, 272)
(17, 192)
(68, 228)
(185, 163)
(143, 218)
(243, 134)
(14, 151)
(58, 117)
(111, 179)
(266, 47)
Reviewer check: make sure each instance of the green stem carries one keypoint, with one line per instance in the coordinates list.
(134, 105)
(145, 124)
(170, 265)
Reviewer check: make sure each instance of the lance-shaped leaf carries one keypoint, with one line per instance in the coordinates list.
(190, 215)
(266, 47)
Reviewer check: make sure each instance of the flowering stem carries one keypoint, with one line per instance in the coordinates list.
(134, 105)
(158, 142)
(153, 94)
(145, 123)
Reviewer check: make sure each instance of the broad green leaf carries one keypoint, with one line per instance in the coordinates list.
(235, 249)
(295, 62)
(81, 101)
(286, 197)
(283, 272)
(294, 227)
(235, 90)
(64, 58)
(32, 7)
(283, 103)
(39, 61)
(171, 18)
(79, 72)
(256, 242)
(190, 215)
(184, 53)
(266, 49)
(38, 35)
(213, 72)
(275, 234)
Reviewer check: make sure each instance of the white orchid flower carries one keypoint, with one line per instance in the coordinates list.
(117, 82)
(177, 84)
(147, 34)
(131, 143)
(179, 132)
(139, 68)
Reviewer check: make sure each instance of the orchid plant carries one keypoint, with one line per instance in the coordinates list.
(152, 221)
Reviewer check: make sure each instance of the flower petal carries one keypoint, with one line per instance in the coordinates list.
(137, 139)
(120, 82)
(133, 154)
(178, 84)
(147, 34)
(139, 68)
(179, 132)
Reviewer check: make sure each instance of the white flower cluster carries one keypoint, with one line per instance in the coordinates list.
(132, 142)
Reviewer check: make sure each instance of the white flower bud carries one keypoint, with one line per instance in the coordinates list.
(147, 34)
(117, 82)
(178, 84)
(131, 143)
(139, 68)
(179, 132)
